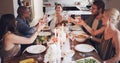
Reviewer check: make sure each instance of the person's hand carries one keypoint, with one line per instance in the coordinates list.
(40, 25)
(80, 22)
(93, 32)
(42, 21)
(70, 19)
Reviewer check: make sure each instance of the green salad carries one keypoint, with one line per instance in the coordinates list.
(90, 60)
(42, 38)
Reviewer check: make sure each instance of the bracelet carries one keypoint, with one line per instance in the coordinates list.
(37, 32)
(91, 37)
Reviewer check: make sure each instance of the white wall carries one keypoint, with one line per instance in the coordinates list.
(64, 2)
(69, 2)
(15, 5)
(8, 6)
(37, 10)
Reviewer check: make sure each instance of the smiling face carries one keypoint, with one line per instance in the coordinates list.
(58, 8)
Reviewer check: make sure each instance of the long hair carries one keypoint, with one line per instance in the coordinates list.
(114, 15)
(7, 23)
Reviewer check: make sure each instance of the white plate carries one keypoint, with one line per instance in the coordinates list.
(75, 28)
(77, 32)
(44, 33)
(81, 37)
(84, 48)
(35, 49)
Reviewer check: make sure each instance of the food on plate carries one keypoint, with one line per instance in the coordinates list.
(87, 60)
(42, 38)
(82, 36)
(29, 60)
(46, 28)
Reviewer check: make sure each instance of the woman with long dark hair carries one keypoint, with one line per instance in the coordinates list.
(9, 40)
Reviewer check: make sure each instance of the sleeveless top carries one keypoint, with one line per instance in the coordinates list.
(106, 49)
(14, 51)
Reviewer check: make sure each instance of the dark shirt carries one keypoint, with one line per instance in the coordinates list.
(106, 49)
(89, 22)
(24, 28)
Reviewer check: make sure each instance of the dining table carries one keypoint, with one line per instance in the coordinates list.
(39, 57)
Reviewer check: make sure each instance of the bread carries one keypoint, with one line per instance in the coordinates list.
(29, 60)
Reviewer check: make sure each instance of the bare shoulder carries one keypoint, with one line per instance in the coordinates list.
(9, 35)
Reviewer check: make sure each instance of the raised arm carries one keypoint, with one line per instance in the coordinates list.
(82, 23)
(23, 40)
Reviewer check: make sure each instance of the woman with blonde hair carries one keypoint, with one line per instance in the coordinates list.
(110, 43)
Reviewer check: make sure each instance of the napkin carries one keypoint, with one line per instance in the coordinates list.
(53, 54)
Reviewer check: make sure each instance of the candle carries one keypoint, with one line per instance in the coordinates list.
(62, 27)
(55, 32)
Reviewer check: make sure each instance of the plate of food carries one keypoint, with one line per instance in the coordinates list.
(84, 48)
(77, 32)
(46, 28)
(87, 60)
(44, 33)
(28, 60)
(75, 27)
(81, 37)
(35, 49)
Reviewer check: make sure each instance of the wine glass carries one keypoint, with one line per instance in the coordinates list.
(72, 39)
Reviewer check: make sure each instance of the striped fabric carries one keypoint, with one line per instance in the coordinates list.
(106, 49)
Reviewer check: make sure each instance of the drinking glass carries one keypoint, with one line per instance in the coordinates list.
(72, 39)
